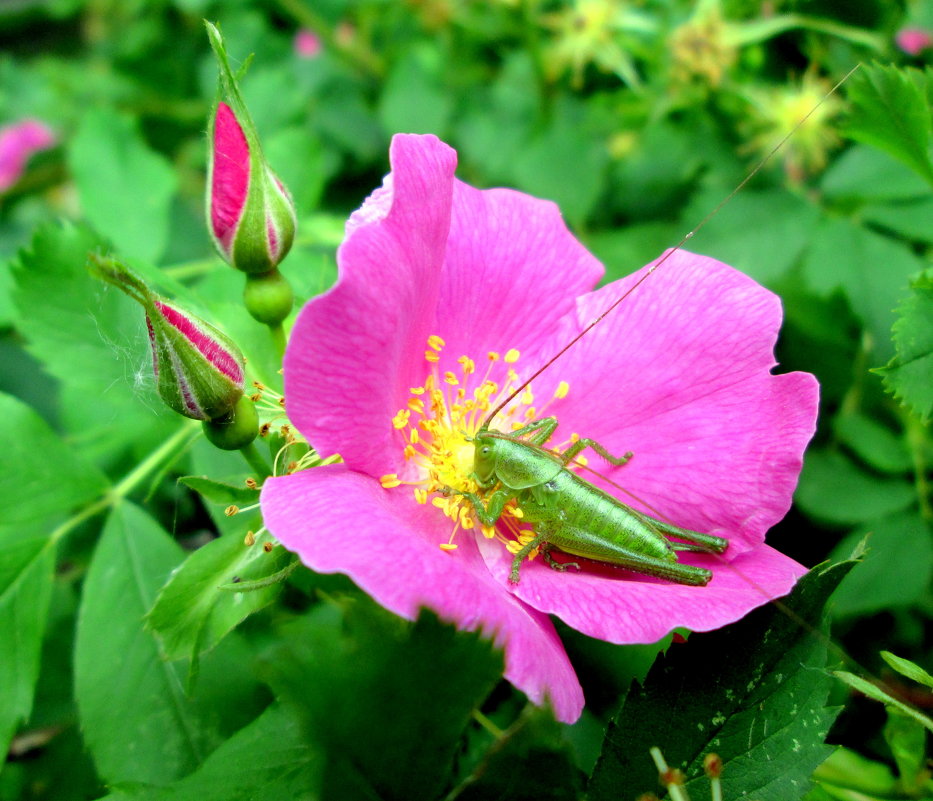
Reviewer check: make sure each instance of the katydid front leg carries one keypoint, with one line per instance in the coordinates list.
(492, 511)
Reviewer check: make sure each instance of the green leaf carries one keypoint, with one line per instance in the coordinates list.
(762, 233)
(125, 188)
(137, 722)
(414, 98)
(872, 270)
(564, 164)
(907, 740)
(862, 174)
(907, 668)
(267, 760)
(220, 491)
(891, 111)
(752, 692)
(910, 219)
(849, 771)
(529, 762)
(828, 476)
(192, 614)
(876, 445)
(875, 692)
(909, 375)
(26, 574)
(385, 701)
(93, 340)
(896, 570)
(51, 479)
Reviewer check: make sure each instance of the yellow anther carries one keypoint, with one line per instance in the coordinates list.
(416, 405)
(389, 480)
(517, 512)
(414, 437)
(531, 413)
(448, 546)
(511, 356)
(231, 510)
(435, 342)
(417, 390)
(267, 547)
(431, 356)
(440, 503)
(528, 397)
(421, 496)
(488, 531)
(467, 364)
(451, 379)
(251, 483)
(582, 461)
(493, 356)
(249, 539)
(409, 453)
(401, 419)
(575, 437)
(562, 389)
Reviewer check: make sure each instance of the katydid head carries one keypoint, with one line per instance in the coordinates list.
(484, 456)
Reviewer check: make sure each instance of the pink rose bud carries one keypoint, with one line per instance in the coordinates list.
(307, 44)
(199, 370)
(913, 41)
(252, 217)
(17, 143)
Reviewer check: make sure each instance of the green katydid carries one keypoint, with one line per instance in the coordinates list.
(565, 510)
(572, 514)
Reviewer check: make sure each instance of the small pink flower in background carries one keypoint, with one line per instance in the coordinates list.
(17, 143)
(914, 41)
(307, 44)
(434, 275)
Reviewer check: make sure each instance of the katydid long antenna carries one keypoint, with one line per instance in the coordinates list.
(689, 235)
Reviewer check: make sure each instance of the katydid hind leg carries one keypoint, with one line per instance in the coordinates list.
(582, 444)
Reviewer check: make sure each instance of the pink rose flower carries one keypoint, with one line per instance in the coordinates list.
(17, 143)
(680, 375)
(307, 44)
(913, 41)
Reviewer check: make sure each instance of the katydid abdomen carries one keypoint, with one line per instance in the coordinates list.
(572, 514)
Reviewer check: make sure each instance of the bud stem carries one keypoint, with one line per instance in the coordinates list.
(278, 339)
(256, 462)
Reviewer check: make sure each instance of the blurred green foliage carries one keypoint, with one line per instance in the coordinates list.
(638, 119)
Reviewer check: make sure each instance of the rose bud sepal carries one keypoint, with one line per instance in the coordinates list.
(199, 370)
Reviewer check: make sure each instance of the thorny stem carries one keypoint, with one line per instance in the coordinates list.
(256, 462)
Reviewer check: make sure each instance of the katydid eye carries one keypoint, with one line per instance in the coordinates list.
(485, 450)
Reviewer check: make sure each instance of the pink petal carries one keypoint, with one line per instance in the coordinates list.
(341, 521)
(512, 270)
(623, 607)
(356, 350)
(679, 374)
(229, 176)
(17, 143)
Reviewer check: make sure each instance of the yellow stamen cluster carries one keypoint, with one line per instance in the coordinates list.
(436, 430)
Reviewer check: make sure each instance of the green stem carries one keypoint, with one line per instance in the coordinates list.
(916, 442)
(128, 483)
(487, 724)
(256, 462)
(278, 339)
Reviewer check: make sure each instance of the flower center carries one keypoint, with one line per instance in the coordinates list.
(437, 428)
